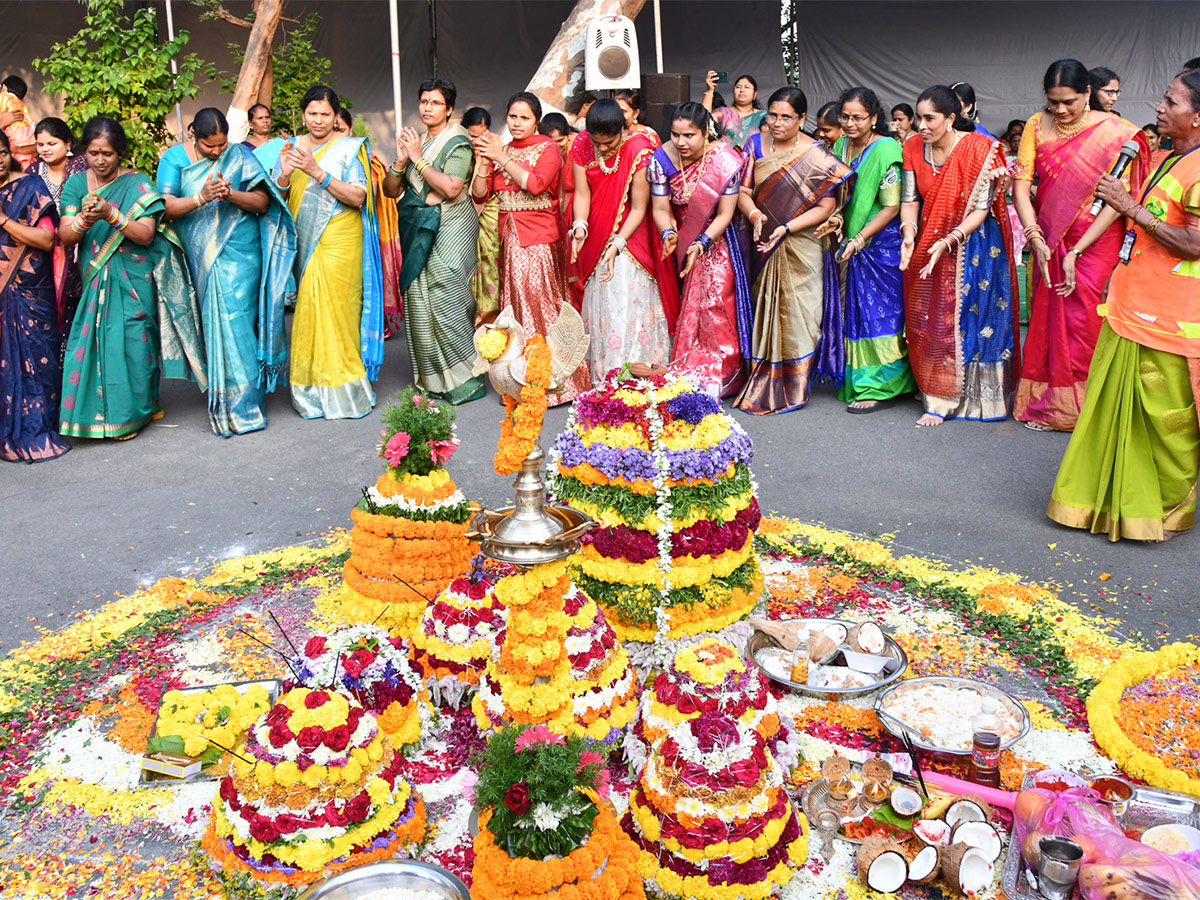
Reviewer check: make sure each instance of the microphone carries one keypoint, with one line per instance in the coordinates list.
(1129, 152)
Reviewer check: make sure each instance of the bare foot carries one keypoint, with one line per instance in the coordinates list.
(864, 404)
(1038, 426)
(929, 420)
(1167, 535)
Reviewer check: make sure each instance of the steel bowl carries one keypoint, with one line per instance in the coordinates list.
(369, 880)
(899, 728)
(761, 644)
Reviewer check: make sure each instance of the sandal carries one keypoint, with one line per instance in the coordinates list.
(865, 410)
(1038, 426)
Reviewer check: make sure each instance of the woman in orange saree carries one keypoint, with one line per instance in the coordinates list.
(959, 279)
(1067, 148)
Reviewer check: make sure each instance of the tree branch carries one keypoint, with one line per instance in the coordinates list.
(227, 16)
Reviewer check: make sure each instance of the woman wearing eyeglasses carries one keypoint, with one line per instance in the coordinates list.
(1067, 149)
(1106, 89)
(863, 345)
(439, 231)
(960, 308)
(788, 191)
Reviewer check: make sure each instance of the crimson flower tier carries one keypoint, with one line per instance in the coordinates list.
(666, 473)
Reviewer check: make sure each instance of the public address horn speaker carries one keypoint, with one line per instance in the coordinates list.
(610, 57)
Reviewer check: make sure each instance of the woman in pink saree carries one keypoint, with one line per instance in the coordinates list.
(1067, 148)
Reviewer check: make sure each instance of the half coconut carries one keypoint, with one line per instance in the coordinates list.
(882, 865)
(967, 869)
(923, 868)
(979, 835)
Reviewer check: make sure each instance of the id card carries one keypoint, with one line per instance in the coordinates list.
(1127, 247)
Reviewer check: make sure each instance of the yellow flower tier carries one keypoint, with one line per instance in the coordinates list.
(408, 543)
(316, 788)
(666, 473)
(560, 663)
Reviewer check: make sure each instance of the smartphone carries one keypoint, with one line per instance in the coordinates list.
(722, 77)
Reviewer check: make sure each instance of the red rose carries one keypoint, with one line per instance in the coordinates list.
(334, 816)
(311, 738)
(279, 734)
(315, 699)
(477, 592)
(287, 823)
(516, 798)
(398, 643)
(315, 647)
(336, 739)
(356, 713)
(745, 771)
(359, 807)
(364, 656)
(352, 666)
(277, 714)
(262, 830)
(460, 585)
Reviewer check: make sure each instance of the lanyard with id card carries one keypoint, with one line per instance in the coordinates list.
(1126, 252)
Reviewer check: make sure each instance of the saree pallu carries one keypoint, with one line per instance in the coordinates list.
(440, 245)
(1130, 469)
(534, 287)
(1063, 330)
(961, 320)
(565, 218)
(67, 283)
(735, 129)
(337, 331)
(30, 367)
(390, 253)
(240, 264)
(138, 318)
(790, 282)
(715, 306)
(485, 283)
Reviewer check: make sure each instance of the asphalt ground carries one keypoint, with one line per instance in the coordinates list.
(110, 516)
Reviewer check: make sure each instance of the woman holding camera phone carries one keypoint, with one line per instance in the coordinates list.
(738, 123)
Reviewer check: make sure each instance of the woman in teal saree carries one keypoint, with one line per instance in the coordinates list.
(138, 319)
(240, 242)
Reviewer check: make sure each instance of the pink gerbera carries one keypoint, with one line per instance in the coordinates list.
(538, 734)
(441, 451)
(397, 448)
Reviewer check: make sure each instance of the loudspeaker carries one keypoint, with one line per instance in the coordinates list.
(660, 96)
(610, 56)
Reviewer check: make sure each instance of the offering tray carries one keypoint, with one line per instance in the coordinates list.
(1149, 807)
(899, 728)
(774, 662)
(375, 879)
(215, 771)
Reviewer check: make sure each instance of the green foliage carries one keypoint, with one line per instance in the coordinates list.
(456, 514)
(551, 770)
(638, 603)
(685, 499)
(115, 66)
(423, 420)
(295, 67)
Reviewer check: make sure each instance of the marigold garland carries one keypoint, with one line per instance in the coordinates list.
(522, 423)
(1105, 700)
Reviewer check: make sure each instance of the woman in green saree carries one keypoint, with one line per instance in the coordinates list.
(439, 230)
(240, 242)
(138, 319)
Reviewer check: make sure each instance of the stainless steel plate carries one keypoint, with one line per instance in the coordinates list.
(762, 647)
(899, 728)
(369, 880)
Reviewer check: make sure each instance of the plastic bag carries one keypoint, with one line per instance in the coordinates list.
(1113, 867)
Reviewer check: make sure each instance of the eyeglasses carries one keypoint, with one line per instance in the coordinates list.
(433, 103)
(775, 117)
(1111, 92)
(857, 120)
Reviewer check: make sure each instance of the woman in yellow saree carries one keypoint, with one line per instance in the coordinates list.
(337, 332)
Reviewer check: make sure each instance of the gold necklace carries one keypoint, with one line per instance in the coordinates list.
(616, 158)
(1066, 132)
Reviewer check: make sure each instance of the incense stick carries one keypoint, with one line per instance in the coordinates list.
(248, 762)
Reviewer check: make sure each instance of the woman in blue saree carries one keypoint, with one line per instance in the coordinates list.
(337, 332)
(138, 318)
(240, 243)
(30, 370)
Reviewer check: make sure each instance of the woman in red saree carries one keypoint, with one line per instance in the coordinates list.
(1067, 148)
(523, 174)
(695, 180)
(630, 296)
(959, 279)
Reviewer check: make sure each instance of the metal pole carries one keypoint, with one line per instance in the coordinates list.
(658, 34)
(174, 68)
(396, 105)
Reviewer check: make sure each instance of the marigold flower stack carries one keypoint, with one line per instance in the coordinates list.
(666, 473)
(409, 536)
(710, 813)
(315, 789)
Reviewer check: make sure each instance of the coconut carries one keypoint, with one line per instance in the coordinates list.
(821, 648)
(923, 868)
(934, 832)
(882, 865)
(906, 801)
(980, 835)
(968, 808)
(967, 869)
(835, 631)
(867, 637)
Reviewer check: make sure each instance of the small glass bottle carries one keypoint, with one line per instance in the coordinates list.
(985, 749)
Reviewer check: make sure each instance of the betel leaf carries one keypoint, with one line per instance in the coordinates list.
(172, 744)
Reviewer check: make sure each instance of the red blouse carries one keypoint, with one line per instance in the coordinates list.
(535, 209)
